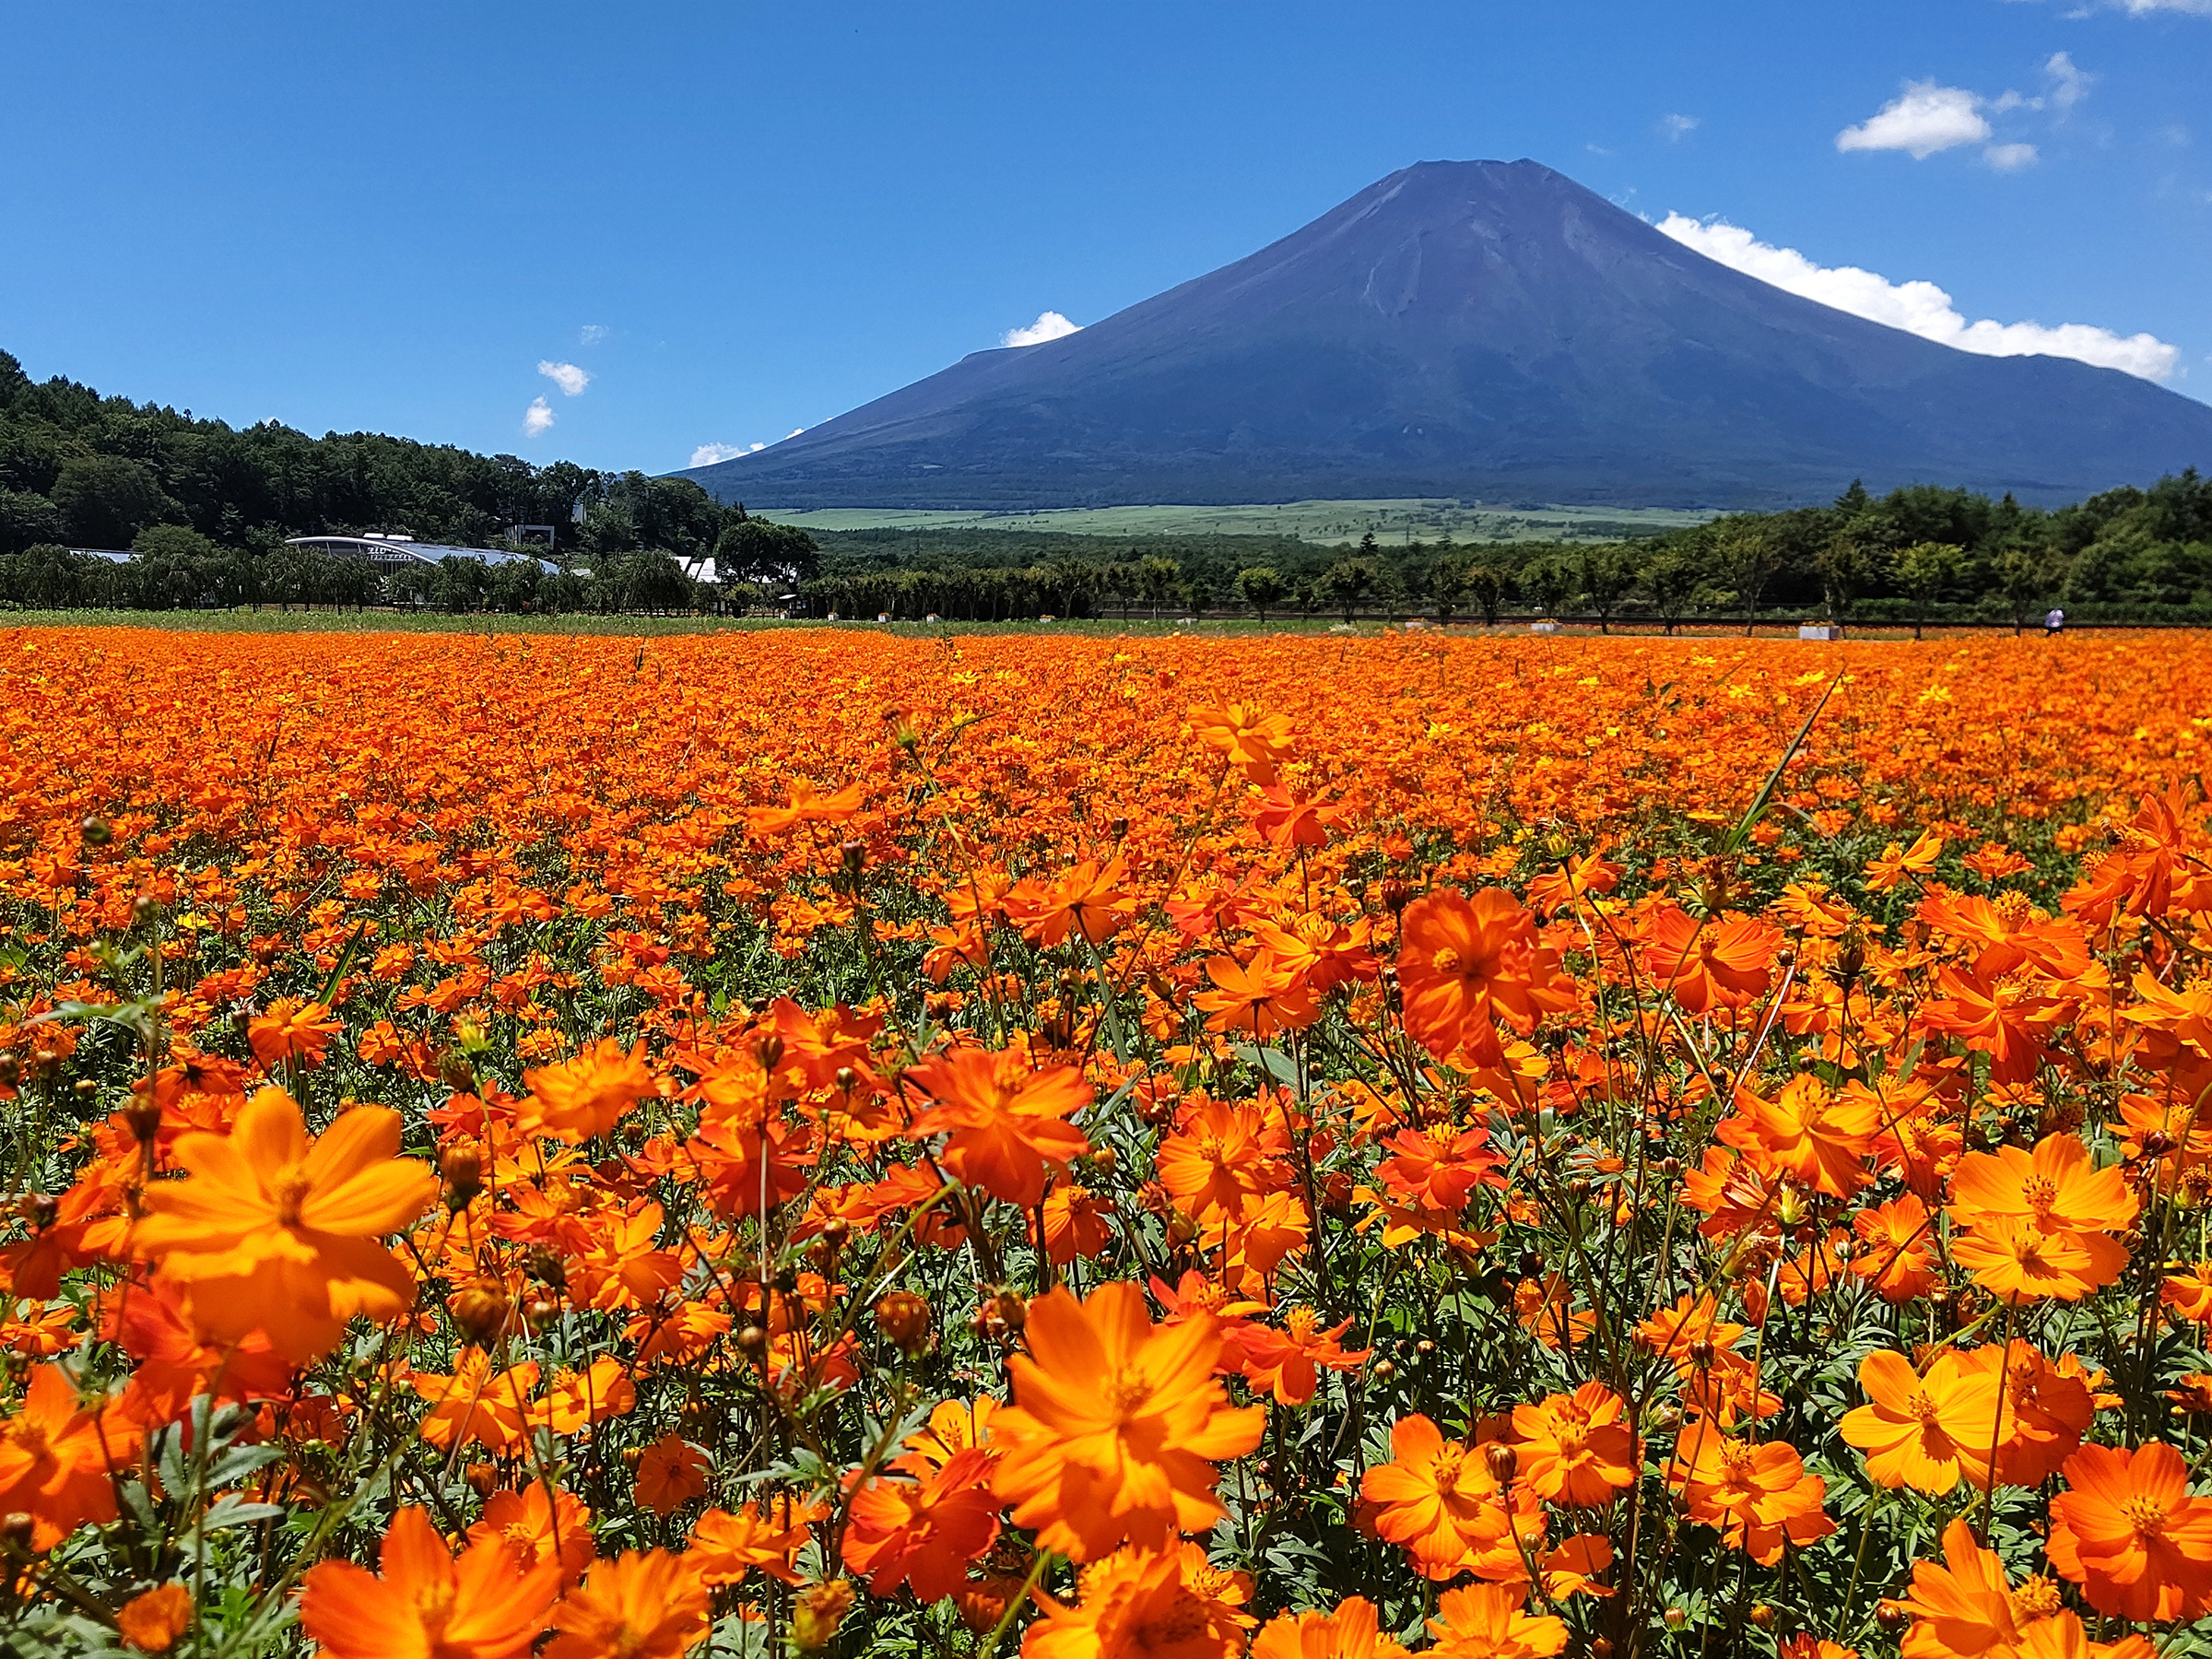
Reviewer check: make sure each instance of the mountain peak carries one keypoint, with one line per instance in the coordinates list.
(1489, 331)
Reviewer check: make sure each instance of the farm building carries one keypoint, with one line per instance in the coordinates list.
(400, 550)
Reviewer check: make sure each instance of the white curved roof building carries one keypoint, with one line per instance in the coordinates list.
(407, 550)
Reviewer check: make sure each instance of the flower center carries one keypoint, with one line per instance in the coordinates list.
(1448, 1466)
(290, 1190)
(2146, 1514)
(1127, 1394)
(1448, 961)
(1923, 1409)
(1300, 1322)
(29, 1435)
(434, 1608)
(1182, 1620)
(2036, 1598)
(2041, 1193)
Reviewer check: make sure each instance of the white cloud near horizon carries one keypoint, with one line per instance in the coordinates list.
(706, 454)
(1050, 325)
(566, 376)
(1918, 307)
(1677, 127)
(1920, 121)
(592, 334)
(2010, 158)
(537, 417)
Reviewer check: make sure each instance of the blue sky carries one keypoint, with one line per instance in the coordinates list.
(710, 225)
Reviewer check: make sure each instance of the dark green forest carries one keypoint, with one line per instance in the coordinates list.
(205, 509)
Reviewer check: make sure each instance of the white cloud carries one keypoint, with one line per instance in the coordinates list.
(792, 433)
(566, 376)
(537, 417)
(592, 334)
(1918, 308)
(1050, 325)
(1923, 119)
(706, 454)
(1677, 127)
(2069, 86)
(2009, 157)
(2142, 8)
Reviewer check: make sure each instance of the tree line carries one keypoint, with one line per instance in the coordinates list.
(1916, 555)
(78, 470)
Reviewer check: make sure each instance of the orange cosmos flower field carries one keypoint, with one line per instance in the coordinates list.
(1099, 1149)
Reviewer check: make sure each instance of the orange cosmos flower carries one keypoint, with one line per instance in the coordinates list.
(1440, 1501)
(59, 1457)
(1008, 1123)
(1925, 1432)
(923, 1532)
(1353, 1631)
(1898, 862)
(1137, 1604)
(587, 1095)
(671, 1473)
(1463, 964)
(480, 1606)
(1966, 1606)
(541, 1526)
(1290, 820)
(1253, 741)
(292, 1030)
(2004, 1020)
(1577, 1449)
(1287, 1363)
(768, 1537)
(641, 1605)
(276, 1232)
(476, 1404)
(1088, 902)
(2130, 1535)
(2054, 1187)
(1255, 999)
(2047, 1409)
(1897, 1249)
(2016, 1262)
(1490, 1621)
(1223, 1154)
(1760, 1496)
(1818, 1139)
(1116, 1425)
(2041, 1221)
(1711, 964)
(155, 1620)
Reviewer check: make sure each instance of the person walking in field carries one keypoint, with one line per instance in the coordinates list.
(2055, 621)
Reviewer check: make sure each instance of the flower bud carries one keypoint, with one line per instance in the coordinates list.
(1502, 1462)
(94, 831)
(480, 1309)
(463, 1168)
(903, 1319)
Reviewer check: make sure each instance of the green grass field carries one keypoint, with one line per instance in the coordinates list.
(1391, 523)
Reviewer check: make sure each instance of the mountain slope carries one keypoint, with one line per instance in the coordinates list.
(1486, 330)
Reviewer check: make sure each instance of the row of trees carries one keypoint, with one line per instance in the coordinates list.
(1913, 555)
(49, 577)
(80, 470)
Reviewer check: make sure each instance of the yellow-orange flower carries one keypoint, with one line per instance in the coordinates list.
(1352, 1631)
(482, 1604)
(641, 1605)
(291, 1030)
(588, 1094)
(1147, 1604)
(1488, 1622)
(274, 1232)
(1925, 1432)
(1464, 964)
(1007, 1124)
(1578, 1448)
(154, 1620)
(1116, 1425)
(59, 1459)
(2128, 1532)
